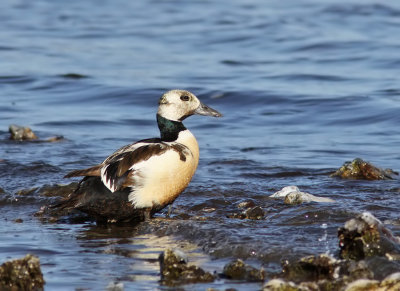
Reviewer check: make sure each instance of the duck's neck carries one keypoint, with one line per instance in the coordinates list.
(169, 129)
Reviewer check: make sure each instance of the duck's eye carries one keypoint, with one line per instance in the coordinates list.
(185, 98)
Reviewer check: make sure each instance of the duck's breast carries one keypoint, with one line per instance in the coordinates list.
(160, 179)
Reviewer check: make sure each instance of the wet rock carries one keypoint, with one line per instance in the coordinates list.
(238, 270)
(362, 285)
(256, 213)
(280, 285)
(391, 282)
(311, 268)
(175, 270)
(292, 195)
(21, 133)
(246, 204)
(58, 190)
(365, 236)
(26, 192)
(363, 170)
(21, 274)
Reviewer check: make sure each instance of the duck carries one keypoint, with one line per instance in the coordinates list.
(142, 178)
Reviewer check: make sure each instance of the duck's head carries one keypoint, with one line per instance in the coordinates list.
(178, 104)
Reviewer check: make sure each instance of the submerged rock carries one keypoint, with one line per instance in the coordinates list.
(238, 270)
(175, 270)
(292, 195)
(365, 236)
(21, 274)
(256, 213)
(21, 133)
(363, 170)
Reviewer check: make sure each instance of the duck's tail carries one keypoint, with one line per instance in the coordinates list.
(94, 171)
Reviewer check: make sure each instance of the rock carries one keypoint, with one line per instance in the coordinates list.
(391, 282)
(292, 195)
(61, 190)
(280, 285)
(362, 170)
(256, 213)
(246, 204)
(311, 268)
(21, 133)
(175, 270)
(362, 285)
(238, 270)
(21, 274)
(365, 236)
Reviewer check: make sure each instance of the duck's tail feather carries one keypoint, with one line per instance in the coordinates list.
(89, 172)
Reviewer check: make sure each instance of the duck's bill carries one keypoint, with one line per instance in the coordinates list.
(205, 110)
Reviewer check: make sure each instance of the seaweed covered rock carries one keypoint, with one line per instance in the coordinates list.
(175, 270)
(293, 195)
(21, 274)
(21, 133)
(363, 170)
(365, 236)
(238, 270)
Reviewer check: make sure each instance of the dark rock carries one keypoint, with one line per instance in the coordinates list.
(366, 236)
(26, 192)
(21, 274)
(362, 170)
(21, 133)
(175, 270)
(311, 268)
(238, 270)
(256, 213)
(246, 204)
(58, 190)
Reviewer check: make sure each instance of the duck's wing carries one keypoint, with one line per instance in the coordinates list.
(117, 171)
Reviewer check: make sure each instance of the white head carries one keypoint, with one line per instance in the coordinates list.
(176, 105)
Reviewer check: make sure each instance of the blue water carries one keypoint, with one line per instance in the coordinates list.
(303, 85)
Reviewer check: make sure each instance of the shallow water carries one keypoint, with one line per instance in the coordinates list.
(303, 86)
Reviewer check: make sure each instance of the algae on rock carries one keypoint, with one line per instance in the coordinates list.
(22, 274)
(363, 170)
